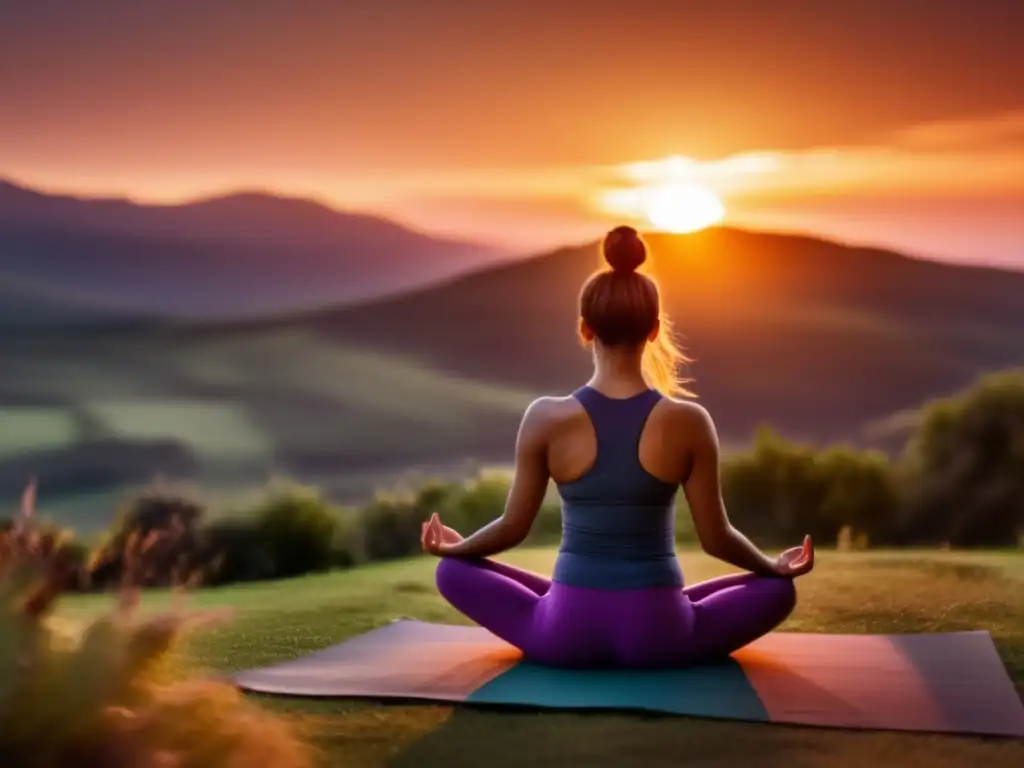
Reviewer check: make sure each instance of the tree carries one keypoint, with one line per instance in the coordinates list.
(964, 466)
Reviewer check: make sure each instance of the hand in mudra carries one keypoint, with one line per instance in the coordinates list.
(436, 538)
(796, 561)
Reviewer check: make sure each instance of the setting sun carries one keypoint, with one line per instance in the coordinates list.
(682, 207)
(667, 194)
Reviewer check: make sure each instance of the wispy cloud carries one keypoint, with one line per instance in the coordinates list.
(1000, 130)
(980, 156)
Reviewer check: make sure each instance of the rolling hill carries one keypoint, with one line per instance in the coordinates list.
(246, 254)
(818, 339)
(28, 305)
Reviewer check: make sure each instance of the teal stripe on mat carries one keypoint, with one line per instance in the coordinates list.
(719, 690)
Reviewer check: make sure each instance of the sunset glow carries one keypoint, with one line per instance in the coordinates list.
(677, 207)
(518, 129)
(671, 194)
(681, 208)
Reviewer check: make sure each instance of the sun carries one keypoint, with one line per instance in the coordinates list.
(681, 207)
(673, 205)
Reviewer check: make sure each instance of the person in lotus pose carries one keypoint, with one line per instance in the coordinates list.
(618, 449)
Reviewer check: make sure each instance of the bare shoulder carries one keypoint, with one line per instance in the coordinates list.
(546, 415)
(552, 410)
(688, 417)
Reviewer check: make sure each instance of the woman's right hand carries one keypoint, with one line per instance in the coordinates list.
(796, 561)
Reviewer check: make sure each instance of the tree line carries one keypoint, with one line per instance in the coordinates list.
(959, 482)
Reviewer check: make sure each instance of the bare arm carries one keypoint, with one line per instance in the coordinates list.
(704, 494)
(529, 484)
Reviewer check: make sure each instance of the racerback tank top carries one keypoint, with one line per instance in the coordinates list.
(618, 520)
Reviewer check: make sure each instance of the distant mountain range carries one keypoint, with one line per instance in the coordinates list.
(823, 341)
(246, 254)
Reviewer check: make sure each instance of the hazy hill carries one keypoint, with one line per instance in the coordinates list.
(242, 254)
(815, 337)
(30, 305)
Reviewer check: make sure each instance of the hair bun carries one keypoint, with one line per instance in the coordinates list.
(624, 249)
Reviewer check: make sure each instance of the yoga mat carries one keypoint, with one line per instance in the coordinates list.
(951, 683)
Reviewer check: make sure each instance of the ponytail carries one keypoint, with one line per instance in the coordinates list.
(661, 363)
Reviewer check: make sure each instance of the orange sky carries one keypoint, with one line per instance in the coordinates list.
(870, 121)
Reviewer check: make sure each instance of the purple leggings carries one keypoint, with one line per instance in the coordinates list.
(565, 626)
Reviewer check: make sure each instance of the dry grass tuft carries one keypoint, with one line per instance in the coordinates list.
(111, 697)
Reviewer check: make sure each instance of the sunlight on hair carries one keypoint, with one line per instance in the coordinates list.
(664, 362)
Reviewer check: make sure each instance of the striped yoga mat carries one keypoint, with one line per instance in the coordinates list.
(952, 683)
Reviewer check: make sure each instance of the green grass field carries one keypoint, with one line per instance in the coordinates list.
(877, 592)
(238, 397)
(242, 407)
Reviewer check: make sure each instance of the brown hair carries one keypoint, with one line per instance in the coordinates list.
(622, 306)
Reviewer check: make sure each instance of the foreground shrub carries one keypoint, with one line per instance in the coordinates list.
(106, 699)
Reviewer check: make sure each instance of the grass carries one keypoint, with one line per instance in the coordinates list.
(876, 592)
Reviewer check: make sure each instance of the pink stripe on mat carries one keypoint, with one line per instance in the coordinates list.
(936, 682)
(403, 660)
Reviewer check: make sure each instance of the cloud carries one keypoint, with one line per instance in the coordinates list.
(946, 188)
(1000, 130)
(983, 156)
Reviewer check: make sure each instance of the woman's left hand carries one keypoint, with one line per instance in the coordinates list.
(436, 538)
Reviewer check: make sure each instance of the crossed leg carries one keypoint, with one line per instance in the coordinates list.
(534, 582)
(498, 597)
(728, 613)
(700, 590)
(733, 611)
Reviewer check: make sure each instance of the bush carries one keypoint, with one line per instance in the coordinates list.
(108, 698)
(62, 543)
(963, 470)
(390, 527)
(780, 491)
(163, 520)
(860, 495)
(685, 531)
(288, 531)
(299, 527)
(236, 551)
(390, 523)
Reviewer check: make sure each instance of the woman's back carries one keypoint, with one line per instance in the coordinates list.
(618, 489)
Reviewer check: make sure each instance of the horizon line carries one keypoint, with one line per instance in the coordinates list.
(508, 254)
